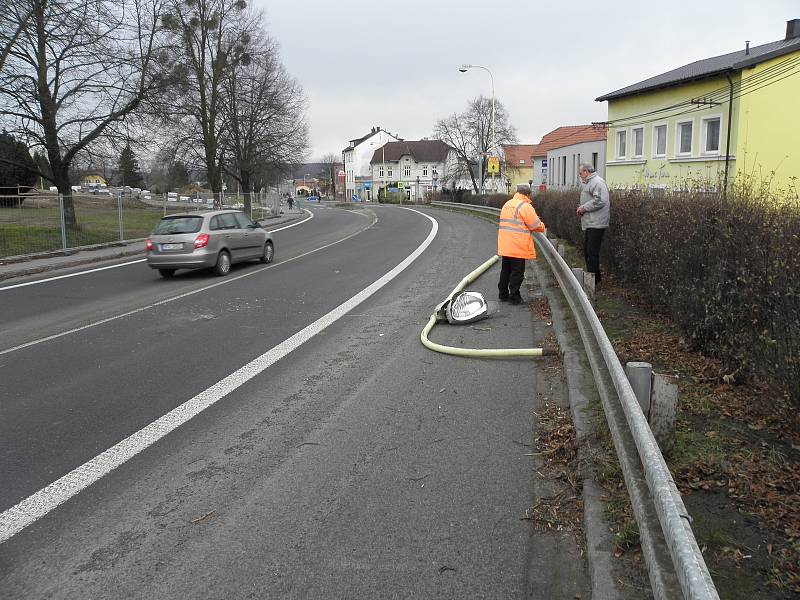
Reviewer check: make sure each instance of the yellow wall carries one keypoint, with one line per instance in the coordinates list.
(518, 175)
(769, 127)
(93, 180)
(763, 137)
(672, 170)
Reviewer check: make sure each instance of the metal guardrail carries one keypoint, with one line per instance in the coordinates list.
(682, 560)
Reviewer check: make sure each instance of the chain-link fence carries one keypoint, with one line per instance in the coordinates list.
(50, 222)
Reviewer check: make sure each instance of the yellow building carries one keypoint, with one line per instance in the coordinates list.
(519, 164)
(93, 180)
(711, 121)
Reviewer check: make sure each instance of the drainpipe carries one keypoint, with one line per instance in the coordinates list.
(728, 142)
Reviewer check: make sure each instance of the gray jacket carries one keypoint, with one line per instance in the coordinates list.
(594, 200)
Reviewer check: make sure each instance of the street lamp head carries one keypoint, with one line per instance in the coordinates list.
(463, 68)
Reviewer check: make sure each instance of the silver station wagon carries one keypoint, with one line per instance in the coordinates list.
(209, 239)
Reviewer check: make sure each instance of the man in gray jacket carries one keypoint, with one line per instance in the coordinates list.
(594, 210)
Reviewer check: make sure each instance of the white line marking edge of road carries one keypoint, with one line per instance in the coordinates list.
(125, 264)
(225, 281)
(39, 504)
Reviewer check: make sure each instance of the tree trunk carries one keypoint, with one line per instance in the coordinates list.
(244, 181)
(62, 182)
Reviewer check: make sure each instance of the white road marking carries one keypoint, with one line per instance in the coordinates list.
(19, 285)
(133, 262)
(225, 281)
(37, 505)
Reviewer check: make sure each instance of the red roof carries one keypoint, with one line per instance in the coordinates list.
(518, 155)
(568, 135)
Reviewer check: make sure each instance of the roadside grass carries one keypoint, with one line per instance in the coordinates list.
(29, 229)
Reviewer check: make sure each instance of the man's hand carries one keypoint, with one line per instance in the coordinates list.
(580, 211)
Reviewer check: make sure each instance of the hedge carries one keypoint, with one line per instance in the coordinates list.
(726, 270)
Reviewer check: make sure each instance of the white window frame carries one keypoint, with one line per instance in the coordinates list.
(380, 171)
(434, 171)
(389, 172)
(621, 133)
(656, 126)
(424, 170)
(704, 135)
(633, 142)
(678, 125)
(406, 170)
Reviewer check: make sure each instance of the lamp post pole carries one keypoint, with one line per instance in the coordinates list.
(464, 68)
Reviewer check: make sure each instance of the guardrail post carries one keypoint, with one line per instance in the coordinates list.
(663, 406)
(562, 250)
(640, 375)
(578, 273)
(63, 222)
(589, 284)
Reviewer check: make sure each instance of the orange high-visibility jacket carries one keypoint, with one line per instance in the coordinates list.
(518, 221)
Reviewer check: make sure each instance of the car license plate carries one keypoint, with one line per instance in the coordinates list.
(171, 246)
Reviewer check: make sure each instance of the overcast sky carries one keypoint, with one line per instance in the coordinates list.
(395, 64)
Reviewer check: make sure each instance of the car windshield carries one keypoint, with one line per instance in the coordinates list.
(169, 225)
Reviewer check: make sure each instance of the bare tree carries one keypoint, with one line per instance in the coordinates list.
(470, 134)
(330, 166)
(74, 70)
(264, 117)
(211, 38)
(13, 20)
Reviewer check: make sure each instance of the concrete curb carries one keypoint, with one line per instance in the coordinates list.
(73, 260)
(599, 539)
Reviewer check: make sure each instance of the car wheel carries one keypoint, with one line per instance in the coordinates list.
(223, 266)
(269, 253)
(167, 273)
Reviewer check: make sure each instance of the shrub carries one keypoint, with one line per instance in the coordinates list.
(724, 269)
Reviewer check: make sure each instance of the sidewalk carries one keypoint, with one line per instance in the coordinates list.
(43, 262)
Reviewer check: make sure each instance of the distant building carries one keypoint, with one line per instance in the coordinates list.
(519, 164)
(412, 167)
(732, 114)
(93, 180)
(574, 145)
(356, 158)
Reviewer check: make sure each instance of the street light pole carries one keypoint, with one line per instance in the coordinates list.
(464, 68)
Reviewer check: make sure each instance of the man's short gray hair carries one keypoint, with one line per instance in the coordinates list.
(588, 166)
(524, 188)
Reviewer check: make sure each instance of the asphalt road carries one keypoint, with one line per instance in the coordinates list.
(358, 465)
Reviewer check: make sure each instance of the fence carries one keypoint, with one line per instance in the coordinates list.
(32, 224)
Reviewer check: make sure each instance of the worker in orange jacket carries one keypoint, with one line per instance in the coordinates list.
(518, 222)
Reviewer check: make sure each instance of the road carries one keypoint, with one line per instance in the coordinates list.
(333, 456)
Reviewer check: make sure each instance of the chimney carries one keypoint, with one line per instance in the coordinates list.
(747, 47)
(792, 29)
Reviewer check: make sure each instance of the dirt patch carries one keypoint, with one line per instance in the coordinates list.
(736, 458)
(557, 448)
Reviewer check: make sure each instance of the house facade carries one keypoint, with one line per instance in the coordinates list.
(519, 164)
(586, 143)
(356, 159)
(551, 159)
(413, 167)
(93, 180)
(706, 123)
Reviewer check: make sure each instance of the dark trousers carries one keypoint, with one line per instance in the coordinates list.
(512, 272)
(592, 240)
